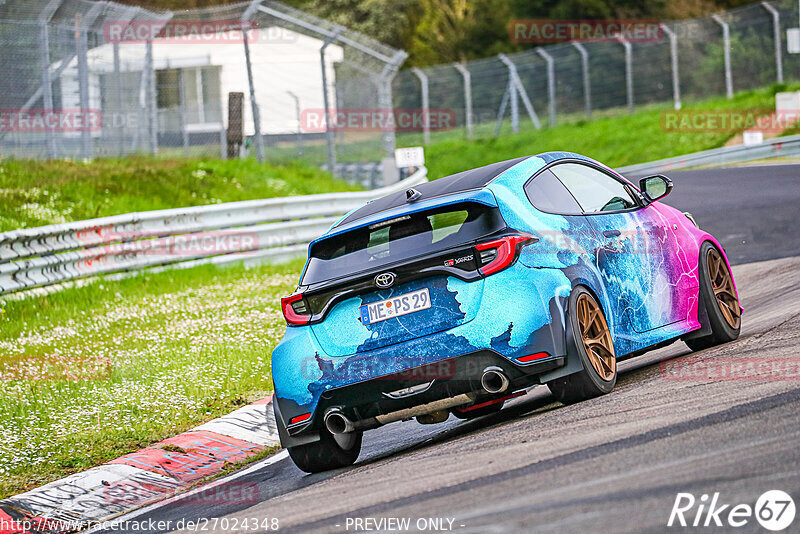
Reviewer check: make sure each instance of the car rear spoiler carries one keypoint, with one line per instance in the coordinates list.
(481, 196)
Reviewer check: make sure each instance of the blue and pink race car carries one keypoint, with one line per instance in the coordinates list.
(459, 294)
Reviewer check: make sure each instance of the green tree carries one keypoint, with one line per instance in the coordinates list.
(455, 30)
(388, 21)
(586, 9)
(440, 31)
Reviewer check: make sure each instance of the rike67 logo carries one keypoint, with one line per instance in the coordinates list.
(774, 510)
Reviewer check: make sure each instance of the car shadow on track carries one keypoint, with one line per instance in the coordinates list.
(537, 402)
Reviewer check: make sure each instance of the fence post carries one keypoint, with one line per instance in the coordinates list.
(47, 86)
(426, 127)
(467, 77)
(587, 86)
(776, 30)
(330, 138)
(551, 84)
(628, 70)
(119, 130)
(726, 42)
(299, 131)
(673, 54)
(150, 98)
(385, 102)
(515, 85)
(253, 104)
(257, 138)
(142, 121)
(81, 39)
(385, 99)
(47, 83)
(511, 95)
(182, 108)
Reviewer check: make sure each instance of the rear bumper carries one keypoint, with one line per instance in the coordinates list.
(521, 313)
(370, 401)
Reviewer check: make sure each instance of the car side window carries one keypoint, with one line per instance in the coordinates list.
(595, 191)
(548, 194)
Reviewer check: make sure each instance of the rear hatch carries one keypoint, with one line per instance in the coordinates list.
(399, 278)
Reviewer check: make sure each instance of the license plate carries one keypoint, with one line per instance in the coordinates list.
(395, 306)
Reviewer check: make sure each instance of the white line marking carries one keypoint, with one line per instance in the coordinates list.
(93, 494)
(109, 525)
(254, 423)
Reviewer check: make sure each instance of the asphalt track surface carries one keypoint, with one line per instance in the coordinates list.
(614, 463)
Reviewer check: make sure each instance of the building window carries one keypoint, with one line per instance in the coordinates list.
(200, 88)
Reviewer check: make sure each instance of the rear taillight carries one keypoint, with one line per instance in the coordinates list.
(295, 310)
(498, 254)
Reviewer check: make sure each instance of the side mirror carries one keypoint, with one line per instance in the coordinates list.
(655, 187)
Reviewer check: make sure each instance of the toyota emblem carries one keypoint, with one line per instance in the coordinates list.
(384, 280)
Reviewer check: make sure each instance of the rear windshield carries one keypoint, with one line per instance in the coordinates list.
(398, 239)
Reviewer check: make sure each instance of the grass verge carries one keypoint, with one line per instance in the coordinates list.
(94, 372)
(617, 140)
(37, 193)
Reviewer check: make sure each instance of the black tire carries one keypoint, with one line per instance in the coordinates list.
(587, 383)
(480, 412)
(327, 453)
(721, 330)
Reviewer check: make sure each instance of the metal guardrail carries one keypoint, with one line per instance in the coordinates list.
(257, 230)
(253, 231)
(367, 175)
(774, 148)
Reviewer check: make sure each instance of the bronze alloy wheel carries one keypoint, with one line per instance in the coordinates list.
(587, 328)
(724, 293)
(596, 337)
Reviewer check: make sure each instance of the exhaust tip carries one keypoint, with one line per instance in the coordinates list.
(338, 423)
(494, 380)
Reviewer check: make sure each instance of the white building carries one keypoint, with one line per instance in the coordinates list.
(193, 79)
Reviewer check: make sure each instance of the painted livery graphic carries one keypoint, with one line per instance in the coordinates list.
(540, 270)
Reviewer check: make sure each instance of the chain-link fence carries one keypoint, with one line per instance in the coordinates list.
(61, 95)
(740, 49)
(86, 79)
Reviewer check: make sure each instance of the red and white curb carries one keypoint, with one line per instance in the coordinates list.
(142, 478)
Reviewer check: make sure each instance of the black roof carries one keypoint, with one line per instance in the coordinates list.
(456, 183)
